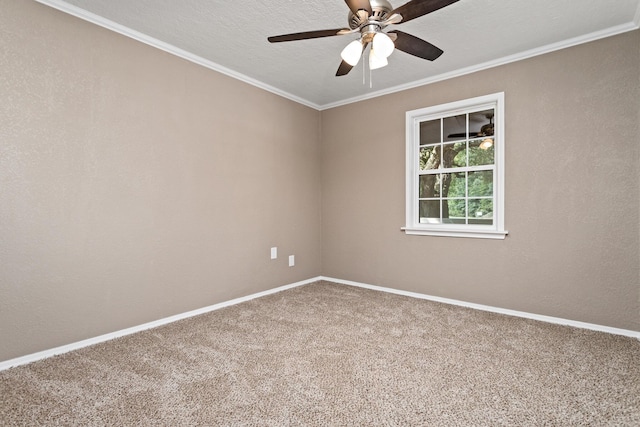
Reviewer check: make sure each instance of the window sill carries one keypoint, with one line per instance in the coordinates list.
(477, 234)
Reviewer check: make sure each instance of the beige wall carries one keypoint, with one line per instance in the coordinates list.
(135, 185)
(572, 183)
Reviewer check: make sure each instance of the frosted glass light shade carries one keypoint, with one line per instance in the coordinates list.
(376, 61)
(352, 53)
(486, 143)
(383, 45)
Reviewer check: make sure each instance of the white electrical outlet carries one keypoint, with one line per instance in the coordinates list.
(274, 253)
(292, 260)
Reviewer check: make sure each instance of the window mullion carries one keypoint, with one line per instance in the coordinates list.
(466, 197)
(466, 177)
(440, 167)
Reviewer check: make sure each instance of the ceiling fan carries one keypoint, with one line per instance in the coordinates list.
(485, 130)
(369, 18)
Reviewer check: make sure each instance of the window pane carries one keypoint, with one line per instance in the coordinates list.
(430, 132)
(481, 151)
(454, 211)
(429, 186)
(453, 184)
(430, 157)
(481, 184)
(455, 127)
(481, 211)
(481, 122)
(454, 155)
(430, 212)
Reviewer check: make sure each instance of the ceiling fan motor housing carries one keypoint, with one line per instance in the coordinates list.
(381, 10)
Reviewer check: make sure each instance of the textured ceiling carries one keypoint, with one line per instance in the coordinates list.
(231, 37)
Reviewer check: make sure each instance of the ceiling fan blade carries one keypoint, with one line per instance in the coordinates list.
(415, 46)
(308, 35)
(344, 69)
(356, 5)
(464, 135)
(417, 8)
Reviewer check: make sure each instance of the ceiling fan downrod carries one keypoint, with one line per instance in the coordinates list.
(370, 25)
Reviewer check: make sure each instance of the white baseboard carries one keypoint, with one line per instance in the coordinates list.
(102, 338)
(539, 317)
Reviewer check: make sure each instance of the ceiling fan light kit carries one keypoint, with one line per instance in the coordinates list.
(486, 143)
(376, 60)
(352, 53)
(370, 18)
(383, 45)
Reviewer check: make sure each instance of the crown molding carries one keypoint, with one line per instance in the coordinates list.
(181, 53)
(136, 35)
(613, 31)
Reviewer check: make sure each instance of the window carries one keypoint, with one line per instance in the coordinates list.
(455, 169)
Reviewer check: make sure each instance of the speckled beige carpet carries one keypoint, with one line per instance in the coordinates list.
(333, 355)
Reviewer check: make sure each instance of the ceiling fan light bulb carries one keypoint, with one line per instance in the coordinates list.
(376, 61)
(352, 53)
(486, 143)
(383, 45)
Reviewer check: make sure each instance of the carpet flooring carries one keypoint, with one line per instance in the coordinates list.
(326, 354)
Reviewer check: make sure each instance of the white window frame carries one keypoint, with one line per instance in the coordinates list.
(413, 120)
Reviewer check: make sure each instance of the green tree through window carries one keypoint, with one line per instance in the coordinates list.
(456, 183)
